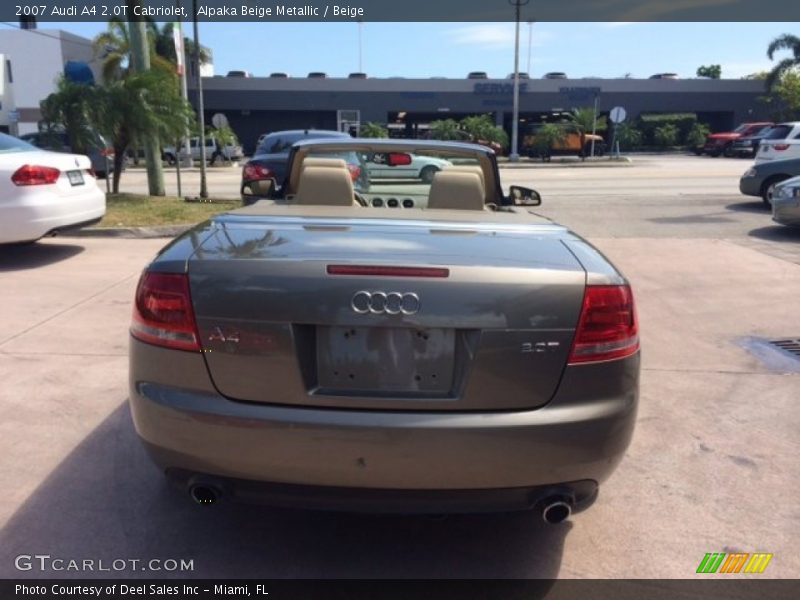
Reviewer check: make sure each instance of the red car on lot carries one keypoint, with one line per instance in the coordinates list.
(722, 143)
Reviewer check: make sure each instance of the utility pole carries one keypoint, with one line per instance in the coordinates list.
(530, 39)
(180, 51)
(201, 119)
(514, 155)
(140, 62)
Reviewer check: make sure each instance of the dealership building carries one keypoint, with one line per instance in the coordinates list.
(256, 105)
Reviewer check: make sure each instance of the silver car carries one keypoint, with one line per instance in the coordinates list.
(450, 352)
(786, 202)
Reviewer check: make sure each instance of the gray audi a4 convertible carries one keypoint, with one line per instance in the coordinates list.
(389, 346)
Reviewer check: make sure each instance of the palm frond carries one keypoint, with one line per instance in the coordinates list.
(787, 41)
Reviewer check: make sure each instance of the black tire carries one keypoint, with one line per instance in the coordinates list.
(698, 151)
(728, 150)
(768, 187)
(170, 159)
(428, 173)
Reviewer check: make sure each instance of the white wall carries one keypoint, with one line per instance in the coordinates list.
(37, 61)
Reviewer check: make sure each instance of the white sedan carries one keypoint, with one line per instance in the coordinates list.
(44, 192)
(381, 166)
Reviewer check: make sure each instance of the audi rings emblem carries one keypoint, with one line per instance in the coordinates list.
(385, 303)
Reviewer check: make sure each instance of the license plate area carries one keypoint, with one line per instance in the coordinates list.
(385, 361)
(75, 177)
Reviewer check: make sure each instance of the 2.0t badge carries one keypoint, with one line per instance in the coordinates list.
(385, 303)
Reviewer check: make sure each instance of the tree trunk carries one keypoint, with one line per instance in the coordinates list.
(120, 148)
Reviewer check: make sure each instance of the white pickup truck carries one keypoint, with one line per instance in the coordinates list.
(213, 151)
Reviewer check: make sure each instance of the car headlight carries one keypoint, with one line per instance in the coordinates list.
(750, 172)
(785, 191)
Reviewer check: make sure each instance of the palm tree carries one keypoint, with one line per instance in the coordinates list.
(114, 48)
(139, 106)
(73, 110)
(584, 120)
(164, 44)
(787, 41)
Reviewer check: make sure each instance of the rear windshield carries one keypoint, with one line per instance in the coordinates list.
(404, 180)
(279, 143)
(11, 144)
(779, 132)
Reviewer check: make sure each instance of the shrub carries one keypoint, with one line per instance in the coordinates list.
(629, 136)
(697, 135)
(666, 135)
(373, 130)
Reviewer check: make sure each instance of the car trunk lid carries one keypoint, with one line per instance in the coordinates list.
(483, 320)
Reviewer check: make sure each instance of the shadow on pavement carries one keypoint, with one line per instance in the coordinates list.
(777, 233)
(106, 501)
(756, 206)
(20, 257)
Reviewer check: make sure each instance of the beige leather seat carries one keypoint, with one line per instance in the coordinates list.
(312, 161)
(452, 189)
(324, 186)
(468, 169)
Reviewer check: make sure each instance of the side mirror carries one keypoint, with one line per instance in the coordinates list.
(522, 196)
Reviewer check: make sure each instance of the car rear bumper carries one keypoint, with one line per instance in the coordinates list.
(192, 431)
(35, 213)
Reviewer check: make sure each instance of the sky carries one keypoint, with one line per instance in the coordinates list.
(420, 50)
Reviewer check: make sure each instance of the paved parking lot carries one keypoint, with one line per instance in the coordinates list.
(713, 466)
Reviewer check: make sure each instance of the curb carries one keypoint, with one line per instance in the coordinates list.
(623, 161)
(167, 231)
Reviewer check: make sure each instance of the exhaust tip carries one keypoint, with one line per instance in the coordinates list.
(204, 494)
(556, 511)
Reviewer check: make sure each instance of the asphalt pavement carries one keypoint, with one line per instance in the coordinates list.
(712, 468)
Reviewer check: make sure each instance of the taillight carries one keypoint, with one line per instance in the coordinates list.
(355, 171)
(257, 172)
(162, 313)
(607, 328)
(109, 152)
(35, 175)
(781, 147)
(91, 173)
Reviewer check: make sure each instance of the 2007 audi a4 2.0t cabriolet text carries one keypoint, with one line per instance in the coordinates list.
(396, 346)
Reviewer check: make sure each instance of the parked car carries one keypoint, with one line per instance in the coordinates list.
(722, 143)
(239, 74)
(478, 75)
(665, 76)
(761, 179)
(747, 146)
(279, 76)
(101, 153)
(575, 142)
(522, 75)
(214, 151)
(786, 202)
(357, 76)
(781, 143)
(419, 167)
(555, 75)
(461, 355)
(44, 192)
(265, 172)
(317, 75)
